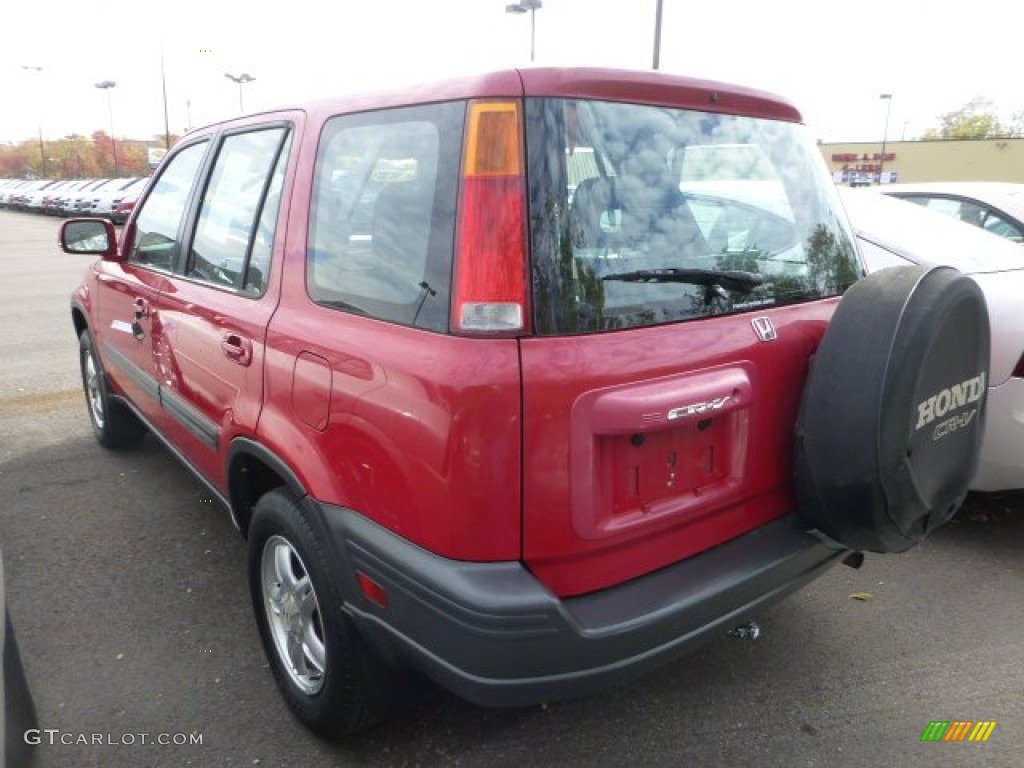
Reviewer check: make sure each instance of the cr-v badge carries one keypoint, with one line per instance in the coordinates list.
(698, 408)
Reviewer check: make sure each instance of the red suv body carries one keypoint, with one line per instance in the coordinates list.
(499, 376)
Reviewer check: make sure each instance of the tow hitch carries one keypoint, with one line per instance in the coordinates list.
(749, 631)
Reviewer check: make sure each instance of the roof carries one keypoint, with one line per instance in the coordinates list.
(635, 86)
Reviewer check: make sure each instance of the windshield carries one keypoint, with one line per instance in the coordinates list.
(625, 189)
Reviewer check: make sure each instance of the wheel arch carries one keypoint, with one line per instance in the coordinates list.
(78, 319)
(253, 470)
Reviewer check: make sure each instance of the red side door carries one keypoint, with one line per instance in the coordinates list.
(216, 307)
(128, 330)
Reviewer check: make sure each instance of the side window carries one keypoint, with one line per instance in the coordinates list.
(971, 213)
(941, 204)
(159, 220)
(997, 225)
(383, 221)
(258, 269)
(240, 187)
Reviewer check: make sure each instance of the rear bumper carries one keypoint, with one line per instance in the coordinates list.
(493, 634)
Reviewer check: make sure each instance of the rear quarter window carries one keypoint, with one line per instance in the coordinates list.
(382, 229)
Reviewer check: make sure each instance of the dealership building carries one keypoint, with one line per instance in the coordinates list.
(862, 163)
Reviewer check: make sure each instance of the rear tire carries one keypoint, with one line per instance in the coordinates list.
(332, 681)
(113, 424)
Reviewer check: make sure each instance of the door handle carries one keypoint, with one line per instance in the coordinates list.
(141, 309)
(237, 349)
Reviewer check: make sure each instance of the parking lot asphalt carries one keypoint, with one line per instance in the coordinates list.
(127, 591)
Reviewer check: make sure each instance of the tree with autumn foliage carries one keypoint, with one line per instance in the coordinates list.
(78, 157)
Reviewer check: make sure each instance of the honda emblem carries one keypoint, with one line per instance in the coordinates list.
(764, 329)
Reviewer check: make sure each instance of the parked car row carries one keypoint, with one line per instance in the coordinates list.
(110, 198)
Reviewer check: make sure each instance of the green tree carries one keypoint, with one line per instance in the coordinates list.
(975, 120)
(1016, 126)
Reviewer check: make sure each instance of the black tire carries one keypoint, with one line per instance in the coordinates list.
(346, 688)
(892, 416)
(113, 424)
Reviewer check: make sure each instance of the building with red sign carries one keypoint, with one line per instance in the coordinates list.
(861, 163)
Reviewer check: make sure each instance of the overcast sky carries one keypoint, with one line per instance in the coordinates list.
(832, 58)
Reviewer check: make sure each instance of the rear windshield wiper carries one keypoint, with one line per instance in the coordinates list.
(712, 279)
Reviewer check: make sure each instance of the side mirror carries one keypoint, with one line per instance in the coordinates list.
(95, 236)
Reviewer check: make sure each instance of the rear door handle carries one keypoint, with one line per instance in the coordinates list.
(140, 309)
(236, 348)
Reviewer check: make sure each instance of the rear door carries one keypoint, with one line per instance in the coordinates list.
(215, 308)
(679, 270)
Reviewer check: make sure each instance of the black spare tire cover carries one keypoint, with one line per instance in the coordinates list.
(892, 416)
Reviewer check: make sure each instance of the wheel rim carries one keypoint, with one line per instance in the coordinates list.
(93, 389)
(293, 615)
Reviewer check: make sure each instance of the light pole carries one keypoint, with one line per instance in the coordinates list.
(522, 7)
(73, 138)
(887, 97)
(163, 85)
(107, 85)
(241, 79)
(42, 150)
(657, 35)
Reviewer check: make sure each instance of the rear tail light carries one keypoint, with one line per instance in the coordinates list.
(490, 270)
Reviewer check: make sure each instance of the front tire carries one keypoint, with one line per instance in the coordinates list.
(332, 681)
(114, 426)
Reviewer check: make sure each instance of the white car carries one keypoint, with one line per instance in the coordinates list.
(892, 232)
(997, 207)
(109, 195)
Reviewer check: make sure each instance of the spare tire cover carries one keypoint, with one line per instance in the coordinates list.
(892, 416)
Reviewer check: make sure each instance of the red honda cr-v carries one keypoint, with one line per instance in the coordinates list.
(530, 381)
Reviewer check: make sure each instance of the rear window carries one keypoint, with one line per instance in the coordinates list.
(643, 215)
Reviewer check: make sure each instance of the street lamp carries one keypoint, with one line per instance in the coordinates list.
(107, 85)
(887, 97)
(73, 139)
(241, 79)
(42, 150)
(522, 7)
(657, 35)
(163, 85)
